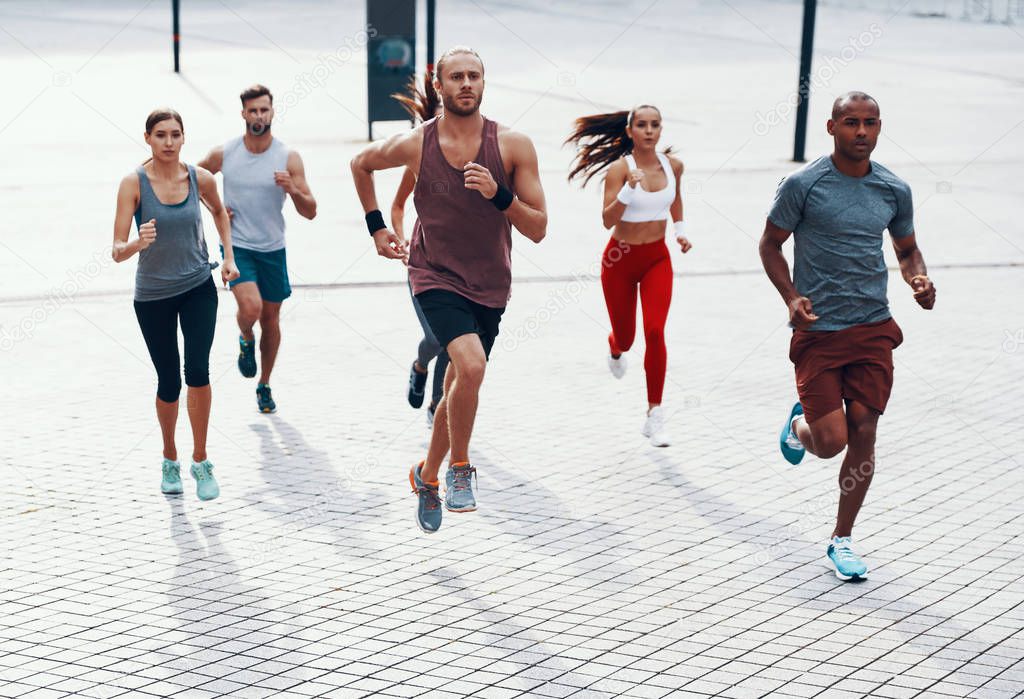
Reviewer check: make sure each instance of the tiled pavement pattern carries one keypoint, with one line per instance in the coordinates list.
(597, 566)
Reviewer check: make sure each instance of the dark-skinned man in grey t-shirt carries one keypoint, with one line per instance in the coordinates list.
(837, 208)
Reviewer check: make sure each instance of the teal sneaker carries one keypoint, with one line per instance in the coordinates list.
(428, 507)
(792, 449)
(458, 489)
(264, 400)
(171, 482)
(247, 357)
(843, 561)
(206, 484)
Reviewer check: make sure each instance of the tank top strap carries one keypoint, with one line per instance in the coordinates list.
(144, 184)
(430, 142)
(630, 161)
(666, 165)
(193, 181)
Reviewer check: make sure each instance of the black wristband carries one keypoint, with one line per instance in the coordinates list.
(375, 221)
(502, 199)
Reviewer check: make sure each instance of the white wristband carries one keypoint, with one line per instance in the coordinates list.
(625, 194)
(680, 229)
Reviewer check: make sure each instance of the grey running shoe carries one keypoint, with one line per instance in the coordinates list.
(458, 489)
(428, 506)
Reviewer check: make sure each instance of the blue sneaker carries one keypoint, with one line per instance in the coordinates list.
(247, 357)
(417, 384)
(843, 561)
(791, 447)
(458, 489)
(171, 482)
(206, 484)
(264, 400)
(428, 507)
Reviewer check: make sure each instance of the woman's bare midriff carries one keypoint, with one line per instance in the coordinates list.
(640, 232)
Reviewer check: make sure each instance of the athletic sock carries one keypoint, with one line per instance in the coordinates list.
(435, 483)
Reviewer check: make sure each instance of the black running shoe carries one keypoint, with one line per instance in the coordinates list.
(264, 400)
(247, 357)
(417, 384)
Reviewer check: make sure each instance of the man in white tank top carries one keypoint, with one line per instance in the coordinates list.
(259, 171)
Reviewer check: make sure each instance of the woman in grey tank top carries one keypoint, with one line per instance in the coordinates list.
(173, 284)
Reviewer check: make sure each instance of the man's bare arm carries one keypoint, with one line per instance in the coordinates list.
(913, 269)
(801, 314)
(401, 150)
(528, 212)
(213, 161)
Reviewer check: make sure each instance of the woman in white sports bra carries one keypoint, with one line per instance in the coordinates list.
(641, 191)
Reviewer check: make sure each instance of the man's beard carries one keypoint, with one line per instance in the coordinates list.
(257, 128)
(451, 104)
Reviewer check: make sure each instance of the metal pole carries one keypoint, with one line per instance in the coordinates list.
(176, 11)
(804, 89)
(431, 7)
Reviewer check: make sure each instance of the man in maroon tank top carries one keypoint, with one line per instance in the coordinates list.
(475, 179)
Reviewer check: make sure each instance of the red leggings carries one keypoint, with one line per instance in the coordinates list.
(624, 268)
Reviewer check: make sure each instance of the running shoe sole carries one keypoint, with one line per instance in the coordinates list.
(845, 578)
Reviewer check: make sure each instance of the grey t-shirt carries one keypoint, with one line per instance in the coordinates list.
(837, 223)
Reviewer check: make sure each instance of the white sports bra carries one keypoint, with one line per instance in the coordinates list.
(651, 206)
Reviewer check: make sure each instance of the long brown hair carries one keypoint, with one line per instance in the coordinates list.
(602, 139)
(420, 103)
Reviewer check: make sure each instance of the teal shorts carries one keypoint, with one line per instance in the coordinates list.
(268, 269)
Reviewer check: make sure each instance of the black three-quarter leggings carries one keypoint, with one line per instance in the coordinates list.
(197, 309)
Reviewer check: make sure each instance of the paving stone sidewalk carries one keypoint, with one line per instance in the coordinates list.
(597, 566)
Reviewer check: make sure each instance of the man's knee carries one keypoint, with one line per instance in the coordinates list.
(862, 433)
(250, 312)
(829, 445)
(828, 440)
(471, 370)
(862, 424)
(270, 315)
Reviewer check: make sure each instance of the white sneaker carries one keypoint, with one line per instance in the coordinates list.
(654, 428)
(618, 366)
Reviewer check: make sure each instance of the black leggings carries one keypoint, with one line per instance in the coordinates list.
(158, 320)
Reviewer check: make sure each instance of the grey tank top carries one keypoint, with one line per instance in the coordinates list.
(253, 197)
(177, 261)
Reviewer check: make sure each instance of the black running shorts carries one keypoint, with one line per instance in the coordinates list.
(451, 315)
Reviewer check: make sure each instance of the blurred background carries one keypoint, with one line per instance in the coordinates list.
(80, 78)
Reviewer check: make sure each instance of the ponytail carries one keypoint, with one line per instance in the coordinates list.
(601, 140)
(421, 104)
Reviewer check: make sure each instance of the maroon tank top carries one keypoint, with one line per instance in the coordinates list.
(460, 242)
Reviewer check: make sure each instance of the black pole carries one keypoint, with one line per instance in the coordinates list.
(804, 88)
(176, 11)
(431, 7)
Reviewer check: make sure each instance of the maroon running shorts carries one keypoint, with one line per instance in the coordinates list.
(853, 364)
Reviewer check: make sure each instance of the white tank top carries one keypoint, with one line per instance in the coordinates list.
(651, 206)
(253, 197)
